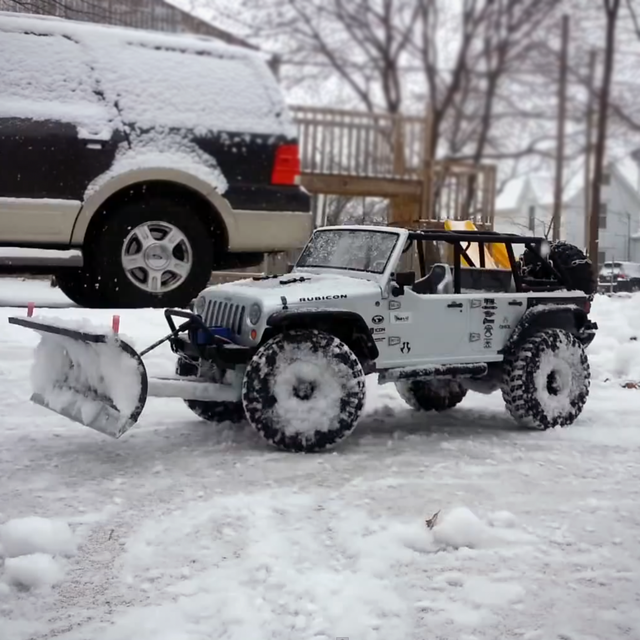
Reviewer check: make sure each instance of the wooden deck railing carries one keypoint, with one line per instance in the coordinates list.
(352, 153)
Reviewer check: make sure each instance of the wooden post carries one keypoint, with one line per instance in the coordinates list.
(612, 10)
(589, 144)
(562, 115)
(426, 208)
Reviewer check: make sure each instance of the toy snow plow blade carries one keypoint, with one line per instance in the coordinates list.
(95, 379)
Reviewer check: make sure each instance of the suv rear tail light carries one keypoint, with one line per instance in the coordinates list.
(286, 167)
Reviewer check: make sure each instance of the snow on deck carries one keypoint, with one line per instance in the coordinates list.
(185, 530)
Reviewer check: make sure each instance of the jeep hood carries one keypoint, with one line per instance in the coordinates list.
(314, 288)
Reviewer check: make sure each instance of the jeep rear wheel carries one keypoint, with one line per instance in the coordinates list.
(546, 380)
(153, 253)
(436, 395)
(304, 391)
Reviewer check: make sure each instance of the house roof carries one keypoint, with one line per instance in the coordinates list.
(509, 198)
(540, 186)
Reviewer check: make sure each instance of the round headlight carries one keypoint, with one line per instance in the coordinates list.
(255, 313)
(199, 306)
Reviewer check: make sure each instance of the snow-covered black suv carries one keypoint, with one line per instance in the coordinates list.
(160, 157)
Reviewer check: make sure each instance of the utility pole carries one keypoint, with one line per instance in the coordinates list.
(589, 143)
(612, 8)
(562, 117)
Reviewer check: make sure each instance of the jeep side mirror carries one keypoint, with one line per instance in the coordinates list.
(402, 280)
(290, 267)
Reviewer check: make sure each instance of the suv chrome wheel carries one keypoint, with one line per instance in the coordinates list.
(157, 257)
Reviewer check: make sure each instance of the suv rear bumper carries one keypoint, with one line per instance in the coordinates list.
(269, 231)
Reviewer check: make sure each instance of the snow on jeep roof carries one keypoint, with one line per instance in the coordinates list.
(56, 69)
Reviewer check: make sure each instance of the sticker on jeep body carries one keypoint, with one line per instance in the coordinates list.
(401, 318)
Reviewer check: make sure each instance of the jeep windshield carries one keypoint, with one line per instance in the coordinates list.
(349, 249)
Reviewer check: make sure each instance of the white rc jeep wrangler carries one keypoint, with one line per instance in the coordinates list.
(303, 342)
(290, 353)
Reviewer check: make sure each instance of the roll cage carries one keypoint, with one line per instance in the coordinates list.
(462, 240)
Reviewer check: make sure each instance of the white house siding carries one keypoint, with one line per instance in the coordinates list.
(622, 219)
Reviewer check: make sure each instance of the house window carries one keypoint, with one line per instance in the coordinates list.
(602, 221)
(532, 219)
(606, 179)
(602, 257)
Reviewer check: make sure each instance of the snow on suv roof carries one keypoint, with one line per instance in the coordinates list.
(157, 79)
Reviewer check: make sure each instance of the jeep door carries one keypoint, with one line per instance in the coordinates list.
(55, 136)
(424, 329)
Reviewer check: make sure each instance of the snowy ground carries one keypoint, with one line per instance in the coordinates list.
(189, 531)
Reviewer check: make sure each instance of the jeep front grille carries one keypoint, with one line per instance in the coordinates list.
(225, 314)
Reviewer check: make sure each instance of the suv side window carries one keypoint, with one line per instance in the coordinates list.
(56, 131)
(45, 77)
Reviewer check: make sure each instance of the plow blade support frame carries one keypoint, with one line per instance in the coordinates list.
(78, 384)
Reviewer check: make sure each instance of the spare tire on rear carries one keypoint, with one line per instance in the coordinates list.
(567, 259)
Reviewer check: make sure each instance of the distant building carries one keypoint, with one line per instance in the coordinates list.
(155, 15)
(526, 205)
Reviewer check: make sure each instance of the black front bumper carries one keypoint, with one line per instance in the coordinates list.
(200, 343)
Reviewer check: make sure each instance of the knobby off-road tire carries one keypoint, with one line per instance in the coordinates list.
(156, 218)
(436, 395)
(574, 262)
(304, 391)
(546, 380)
(210, 411)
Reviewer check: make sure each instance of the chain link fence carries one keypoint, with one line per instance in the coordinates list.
(155, 15)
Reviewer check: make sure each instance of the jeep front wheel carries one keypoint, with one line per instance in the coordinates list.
(546, 380)
(436, 395)
(304, 391)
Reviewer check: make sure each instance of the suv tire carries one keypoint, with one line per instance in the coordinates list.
(143, 242)
(304, 391)
(574, 262)
(210, 411)
(437, 395)
(81, 287)
(546, 380)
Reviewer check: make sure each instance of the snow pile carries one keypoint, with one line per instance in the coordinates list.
(33, 571)
(460, 527)
(32, 548)
(24, 536)
(615, 354)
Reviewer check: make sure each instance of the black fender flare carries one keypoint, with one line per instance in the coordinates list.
(352, 328)
(569, 317)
